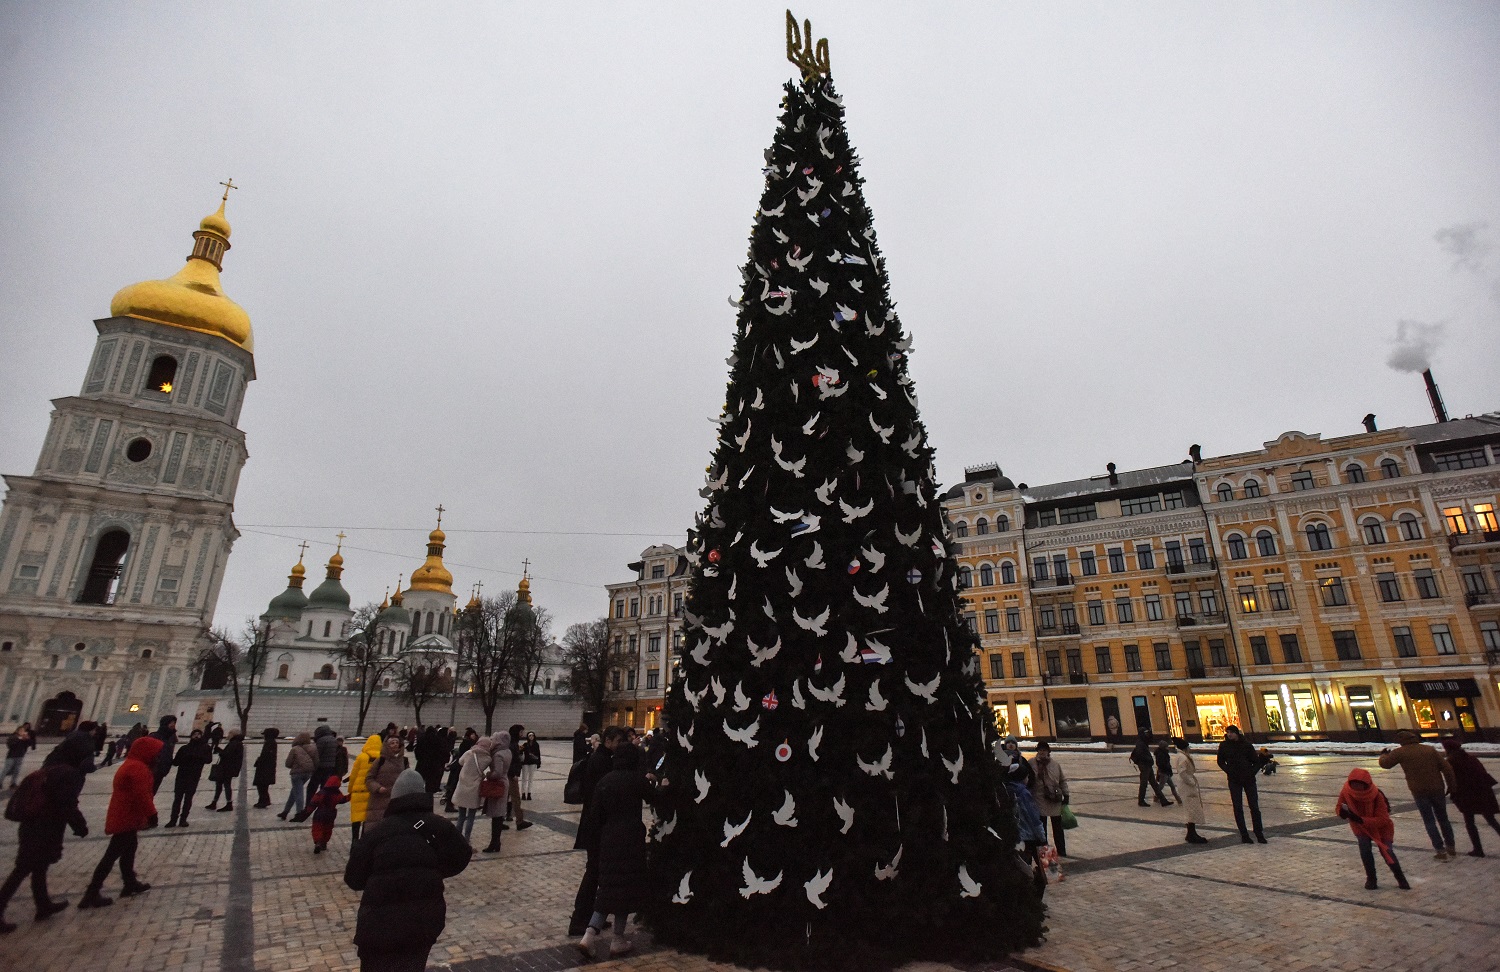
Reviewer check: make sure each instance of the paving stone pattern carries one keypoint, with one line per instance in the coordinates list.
(1133, 895)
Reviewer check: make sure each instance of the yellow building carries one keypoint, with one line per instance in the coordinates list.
(1340, 588)
(645, 625)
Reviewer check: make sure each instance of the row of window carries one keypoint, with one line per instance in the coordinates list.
(982, 526)
(655, 606)
(1063, 618)
(1303, 479)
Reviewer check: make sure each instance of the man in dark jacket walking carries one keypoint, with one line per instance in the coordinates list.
(598, 766)
(190, 760)
(1145, 763)
(1240, 763)
(327, 743)
(400, 864)
(166, 731)
(41, 838)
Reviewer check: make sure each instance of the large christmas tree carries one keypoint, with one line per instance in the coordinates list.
(832, 797)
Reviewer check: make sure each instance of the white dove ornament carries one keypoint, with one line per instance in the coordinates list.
(786, 816)
(684, 890)
(816, 887)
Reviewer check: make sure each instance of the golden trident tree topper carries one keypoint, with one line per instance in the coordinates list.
(800, 50)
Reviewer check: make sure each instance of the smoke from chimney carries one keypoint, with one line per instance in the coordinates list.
(1415, 343)
(1438, 411)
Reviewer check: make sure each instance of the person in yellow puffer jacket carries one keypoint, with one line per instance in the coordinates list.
(359, 797)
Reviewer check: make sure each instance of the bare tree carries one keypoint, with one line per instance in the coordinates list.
(532, 640)
(236, 662)
(418, 684)
(586, 657)
(364, 662)
(495, 639)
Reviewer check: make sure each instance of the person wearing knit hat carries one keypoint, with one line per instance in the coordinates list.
(400, 865)
(324, 807)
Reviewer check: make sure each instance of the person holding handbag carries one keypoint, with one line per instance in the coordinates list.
(473, 766)
(1049, 788)
(494, 789)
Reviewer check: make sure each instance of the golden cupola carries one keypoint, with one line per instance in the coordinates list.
(432, 575)
(192, 298)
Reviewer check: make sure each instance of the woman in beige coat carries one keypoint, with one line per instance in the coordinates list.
(1049, 788)
(1185, 774)
(379, 780)
(473, 766)
(499, 770)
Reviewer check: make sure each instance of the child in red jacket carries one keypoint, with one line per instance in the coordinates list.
(1369, 815)
(324, 807)
(132, 808)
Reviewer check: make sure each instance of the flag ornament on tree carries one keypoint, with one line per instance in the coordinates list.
(855, 816)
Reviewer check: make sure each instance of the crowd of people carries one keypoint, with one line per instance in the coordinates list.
(403, 849)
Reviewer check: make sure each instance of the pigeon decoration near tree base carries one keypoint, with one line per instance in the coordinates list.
(864, 824)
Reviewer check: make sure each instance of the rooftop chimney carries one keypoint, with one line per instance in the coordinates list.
(1438, 411)
(1196, 452)
(1369, 421)
(1114, 480)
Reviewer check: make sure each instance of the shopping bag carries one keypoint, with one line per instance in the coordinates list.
(1069, 818)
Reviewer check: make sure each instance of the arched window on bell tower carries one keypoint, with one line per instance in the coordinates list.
(104, 571)
(162, 374)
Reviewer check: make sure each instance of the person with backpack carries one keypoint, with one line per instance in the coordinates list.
(21, 742)
(400, 865)
(1145, 764)
(1164, 768)
(190, 760)
(132, 808)
(44, 805)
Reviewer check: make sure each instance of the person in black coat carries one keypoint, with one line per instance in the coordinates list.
(1145, 764)
(190, 760)
(594, 770)
(581, 742)
(231, 761)
(166, 731)
(1240, 763)
(40, 840)
(1164, 769)
(326, 741)
(400, 865)
(431, 752)
(265, 767)
(618, 839)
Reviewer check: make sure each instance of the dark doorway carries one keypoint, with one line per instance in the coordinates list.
(1111, 707)
(59, 715)
(1070, 718)
(1366, 720)
(1142, 713)
(104, 572)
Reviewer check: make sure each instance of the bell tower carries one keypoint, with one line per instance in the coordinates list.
(112, 551)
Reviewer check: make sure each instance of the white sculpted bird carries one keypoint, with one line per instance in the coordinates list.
(781, 517)
(799, 346)
(871, 330)
(854, 454)
(734, 583)
(834, 694)
(908, 539)
(816, 624)
(718, 484)
(910, 445)
(858, 286)
(759, 655)
(685, 740)
(780, 236)
(703, 785)
(743, 438)
(745, 736)
(823, 132)
(813, 741)
(888, 871)
(762, 557)
(791, 258)
(793, 582)
(811, 524)
(731, 831)
(880, 430)
(760, 399)
(786, 816)
(769, 608)
(700, 653)
(820, 285)
(695, 698)
(720, 632)
(684, 890)
(778, 311)
(971, 887)
(881, 767)
(846, 814)
(798, 701)
(816, 886)
(877, 701)
(663, 831)
(954, 767)
(850, 654)
(882, 654)
(828, 390)
(741, 700)
(875, 557)
(876, 601)
(852, 513)
(811, 424)
(927, 691)
(824, 492)
(720, 692)
(814, 560)
(775, 212)
(755, 884)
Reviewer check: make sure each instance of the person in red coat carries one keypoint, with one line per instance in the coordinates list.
(1369, 815)
(132, 808)
(1473, 792)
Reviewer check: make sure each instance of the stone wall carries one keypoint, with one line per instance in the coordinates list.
(292, 710)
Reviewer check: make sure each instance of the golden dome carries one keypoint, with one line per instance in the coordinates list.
(298, 572)
(192, 298)
(523, 590)
(432, 575)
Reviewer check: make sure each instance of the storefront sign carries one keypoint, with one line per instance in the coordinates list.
(1447, 688)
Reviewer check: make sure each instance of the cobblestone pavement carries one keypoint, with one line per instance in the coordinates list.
(242, 891)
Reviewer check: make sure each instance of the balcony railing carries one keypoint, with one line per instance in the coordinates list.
(1078, 678)
(1063, 580)
(1193, 566)
(1473, 538)
(1481, 598)
(1207, 617)
(1066, 629)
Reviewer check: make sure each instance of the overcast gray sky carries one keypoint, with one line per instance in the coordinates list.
(486, 248)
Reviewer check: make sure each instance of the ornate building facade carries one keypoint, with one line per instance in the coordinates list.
(112, 551)
(645, 632)
(1327, 588)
